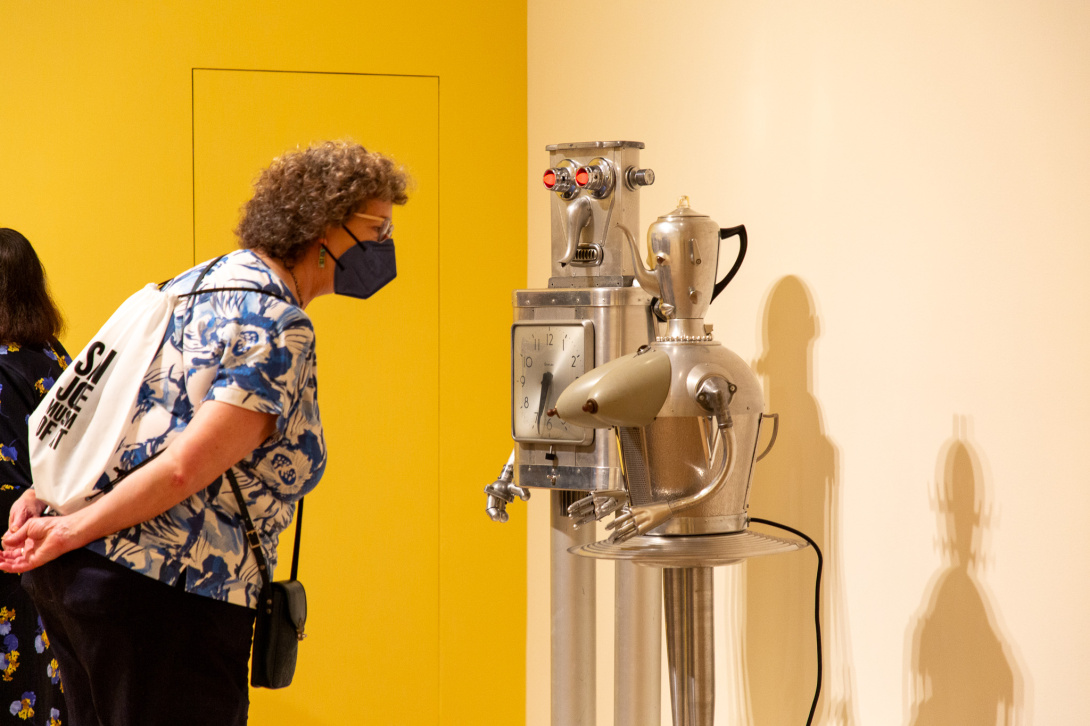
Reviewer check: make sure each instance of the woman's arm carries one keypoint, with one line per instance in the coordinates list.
(219, 436)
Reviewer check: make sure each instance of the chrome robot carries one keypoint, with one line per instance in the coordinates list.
(687, 414)
(590, 314)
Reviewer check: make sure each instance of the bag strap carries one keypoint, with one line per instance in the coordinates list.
(207, 268)
(254, 539)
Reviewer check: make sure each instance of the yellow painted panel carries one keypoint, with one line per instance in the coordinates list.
(370, 550)
(97, 167)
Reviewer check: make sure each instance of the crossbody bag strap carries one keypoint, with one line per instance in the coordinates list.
(254, 539)
(298, 539)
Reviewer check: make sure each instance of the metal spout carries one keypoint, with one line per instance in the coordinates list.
(647, 279)
(577, 215)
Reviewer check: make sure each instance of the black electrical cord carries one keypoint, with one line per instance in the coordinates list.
(817, 604)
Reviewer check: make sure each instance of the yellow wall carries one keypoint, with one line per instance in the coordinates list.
(123, 164)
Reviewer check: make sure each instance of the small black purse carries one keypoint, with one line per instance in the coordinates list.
(281, 612)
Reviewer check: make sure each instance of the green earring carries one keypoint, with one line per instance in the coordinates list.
(321, 258)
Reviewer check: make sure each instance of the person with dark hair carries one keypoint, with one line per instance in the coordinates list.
(31, 358)
(148, 592)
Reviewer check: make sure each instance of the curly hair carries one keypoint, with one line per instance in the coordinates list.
(28, 314)
(305, 191)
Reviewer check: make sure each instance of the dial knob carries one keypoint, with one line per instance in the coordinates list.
(596, 177)
(634, 177)
(561, 179)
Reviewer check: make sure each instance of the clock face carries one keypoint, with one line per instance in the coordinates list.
(546, 356)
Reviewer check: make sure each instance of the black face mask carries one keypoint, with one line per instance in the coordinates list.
(364, 268)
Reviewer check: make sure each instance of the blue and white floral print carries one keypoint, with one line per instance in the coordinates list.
(248, 349)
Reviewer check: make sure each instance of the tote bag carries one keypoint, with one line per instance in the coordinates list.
(67, 453)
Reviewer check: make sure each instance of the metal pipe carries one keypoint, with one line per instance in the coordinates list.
(637, 651)
(573, 614)
(688, 597)
(730, 444)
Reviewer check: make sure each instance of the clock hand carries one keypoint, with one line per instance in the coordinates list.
(546, 382)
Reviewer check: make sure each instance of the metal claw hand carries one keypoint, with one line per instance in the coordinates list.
(503, 491)
(500, 494)
(596, 506)
(637, 520)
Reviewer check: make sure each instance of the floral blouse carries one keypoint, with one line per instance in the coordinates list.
(30, 680)
(249, 349)
(26, 373)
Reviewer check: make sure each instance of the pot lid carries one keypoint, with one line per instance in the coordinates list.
(683, 210)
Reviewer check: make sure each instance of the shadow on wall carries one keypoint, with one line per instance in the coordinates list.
(961, 670)
(798, 485)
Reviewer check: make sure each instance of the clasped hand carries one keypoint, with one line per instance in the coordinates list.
(31, 539)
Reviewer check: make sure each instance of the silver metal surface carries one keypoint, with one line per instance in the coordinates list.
(634, 177)
(502, 492)
(601, 178)
(592, 145)
(573, 478)
(564, 186)
(576, 214)
(708, 550)
(593, 214)
(596, 505)
(638, 646)
(588, 255)
(553, 302)
(686, 244)
(687, 597)
(573, 622)
(621, 322)
(656, 515)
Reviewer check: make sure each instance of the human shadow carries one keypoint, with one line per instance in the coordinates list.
(961, 668)
(797, 485)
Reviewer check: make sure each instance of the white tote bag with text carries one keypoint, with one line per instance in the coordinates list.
(67, 453)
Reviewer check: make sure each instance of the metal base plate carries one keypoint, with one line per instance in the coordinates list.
(708, 550)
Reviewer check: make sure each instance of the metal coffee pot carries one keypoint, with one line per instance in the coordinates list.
(684, 256)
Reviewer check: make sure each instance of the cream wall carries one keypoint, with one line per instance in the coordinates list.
(915, 180)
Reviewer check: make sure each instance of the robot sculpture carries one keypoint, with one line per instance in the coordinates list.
(623, 404)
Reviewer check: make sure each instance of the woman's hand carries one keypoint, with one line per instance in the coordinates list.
(26, 507)
(37, 541)
(219, 435)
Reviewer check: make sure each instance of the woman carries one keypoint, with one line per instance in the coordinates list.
(31, 358)
(149, 591)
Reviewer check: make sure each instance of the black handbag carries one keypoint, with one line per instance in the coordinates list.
(281, 612)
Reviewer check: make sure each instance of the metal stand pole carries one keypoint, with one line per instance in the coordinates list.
(637, 651)
(688, 595)
(573, 627)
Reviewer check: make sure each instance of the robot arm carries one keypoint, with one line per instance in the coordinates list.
(503, 491)
(714, 395)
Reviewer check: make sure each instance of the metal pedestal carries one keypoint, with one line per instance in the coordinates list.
(637, 651)
(573, 626)
(688, 595)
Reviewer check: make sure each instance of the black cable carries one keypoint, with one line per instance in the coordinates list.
(817, 604)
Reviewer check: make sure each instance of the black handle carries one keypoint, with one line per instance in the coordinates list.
(743, 243)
